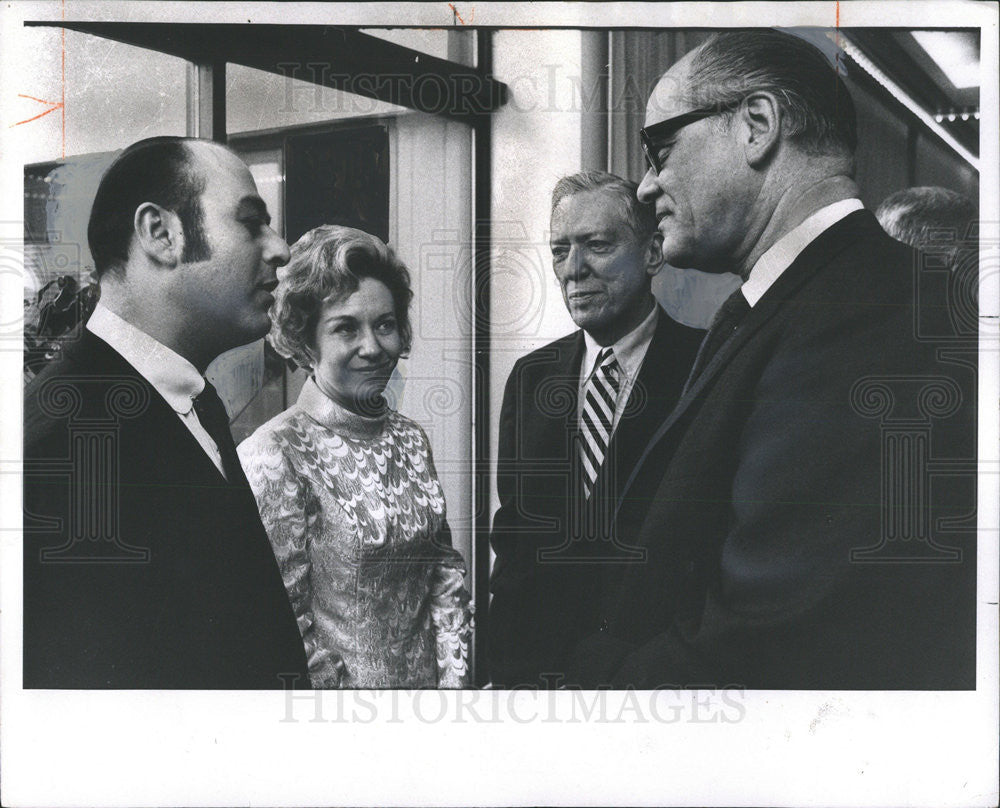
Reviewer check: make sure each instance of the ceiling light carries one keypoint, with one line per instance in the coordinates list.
(903, 97)
(955, 52)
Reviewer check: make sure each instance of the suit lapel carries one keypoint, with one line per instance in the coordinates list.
(557, 404)
(819, 253)
(660, 379)
(160, 421)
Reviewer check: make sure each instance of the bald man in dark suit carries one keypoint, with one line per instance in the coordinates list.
(145, 561)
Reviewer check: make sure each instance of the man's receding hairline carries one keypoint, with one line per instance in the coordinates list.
(199, 171)
(679, 73)
(605, 191)
(616, 203)
(192, 168)
(205, 150)
(692, 86)
(577, 193)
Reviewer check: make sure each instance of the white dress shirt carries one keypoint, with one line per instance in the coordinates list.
(170, 374)
(786, 249)
(630, 350)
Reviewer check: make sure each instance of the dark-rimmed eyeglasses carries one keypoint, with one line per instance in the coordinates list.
(655, 138)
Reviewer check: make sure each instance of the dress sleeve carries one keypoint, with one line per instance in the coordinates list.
(451, 605)
(285, 506)
(451, 614)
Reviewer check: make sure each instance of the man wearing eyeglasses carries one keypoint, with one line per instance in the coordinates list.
(792, 540)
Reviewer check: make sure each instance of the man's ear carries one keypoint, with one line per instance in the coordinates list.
(654, 254)
(159, 234)
(761, 116)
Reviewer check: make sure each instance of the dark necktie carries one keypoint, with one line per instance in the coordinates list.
(597, 420)
(725, 322)
(214, 418)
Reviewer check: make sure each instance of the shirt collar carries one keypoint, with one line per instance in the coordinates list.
(629, 350)
(786, 249)
(171, 375)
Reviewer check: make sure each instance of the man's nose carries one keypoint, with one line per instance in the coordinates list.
(275, 249)
(648, 189)
(577, 261)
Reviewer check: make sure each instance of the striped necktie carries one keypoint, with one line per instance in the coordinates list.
(598, 417)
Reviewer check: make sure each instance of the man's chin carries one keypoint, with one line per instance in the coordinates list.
(262, 326)
(585, 311)
(588, 321)
(681, 258)
(252, 334)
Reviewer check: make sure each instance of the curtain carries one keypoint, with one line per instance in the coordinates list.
(638, 59)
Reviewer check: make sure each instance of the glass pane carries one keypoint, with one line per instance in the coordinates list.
(455, 45)
(256, 99)
(432, 41)
(266, 166)
(114, 95)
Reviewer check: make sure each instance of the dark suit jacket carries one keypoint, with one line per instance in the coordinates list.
(814, 522)
(551, 564)
(143, 567)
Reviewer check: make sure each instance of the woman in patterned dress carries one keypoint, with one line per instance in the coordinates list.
(346, 486)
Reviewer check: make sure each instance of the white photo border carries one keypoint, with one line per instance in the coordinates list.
(803, 748)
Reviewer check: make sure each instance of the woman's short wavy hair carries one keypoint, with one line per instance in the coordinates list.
(328, 263)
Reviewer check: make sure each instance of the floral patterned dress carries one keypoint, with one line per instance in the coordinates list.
(356, 517)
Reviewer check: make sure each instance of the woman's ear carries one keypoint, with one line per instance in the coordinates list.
(310, 355)
(158, 233)
(761, 116)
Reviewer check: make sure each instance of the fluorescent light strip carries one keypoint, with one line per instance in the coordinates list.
(900, 95)
(953, 53)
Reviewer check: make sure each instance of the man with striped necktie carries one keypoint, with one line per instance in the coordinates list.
(576, 413)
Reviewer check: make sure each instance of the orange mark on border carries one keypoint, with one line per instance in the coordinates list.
(457, 15)
(54, 106)
(841, 71)
(62, 105)
(39, 100)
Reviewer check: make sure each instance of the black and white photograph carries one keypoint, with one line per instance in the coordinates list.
(500, 404)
